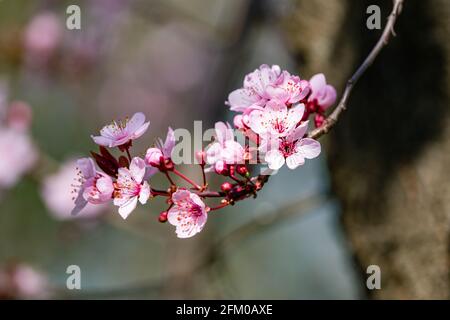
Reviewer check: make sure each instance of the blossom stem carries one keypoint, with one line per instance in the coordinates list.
(203, 175)
(211, 194)
(223, 205)
(169, 178)
(178, 173)
(156, 192)
(128, 154)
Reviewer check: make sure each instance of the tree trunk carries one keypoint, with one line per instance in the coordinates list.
(389, 155)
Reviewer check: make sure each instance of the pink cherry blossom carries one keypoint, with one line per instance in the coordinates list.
(254, 91)
(322, 95)
(17, 155)
(95, 186)
(42, 36)
(155, 156)
(57, 193)
(275, 119)
(188, 213)
(292, 149)
(22, 281)
(120, 133)
(131, 187)
(225, 148)
(289, 89)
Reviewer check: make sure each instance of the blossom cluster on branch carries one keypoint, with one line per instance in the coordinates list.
(273, 111)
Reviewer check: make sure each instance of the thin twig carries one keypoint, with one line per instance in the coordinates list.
(331, 120)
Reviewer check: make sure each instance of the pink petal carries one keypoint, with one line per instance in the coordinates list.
(137, 169)
(240, 99)
(141, 130)
(295, 160)
(213, 153)
(145, 193)
(309, 148)
(128, 207)
(196, 199)
(274, 159)
(328, 97)
(299, 132)
(87, 167)
(135, 123)
(170, 143)
(180, 195)
(172, 215)
(317, 83)
(102, 141)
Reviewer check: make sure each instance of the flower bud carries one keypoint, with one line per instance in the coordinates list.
(242, 169)
(153, 157)
(221, 168)
(162, 217)
(226, 186)
(201, 156)
(319, 120)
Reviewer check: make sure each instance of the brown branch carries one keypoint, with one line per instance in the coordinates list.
(331, 120)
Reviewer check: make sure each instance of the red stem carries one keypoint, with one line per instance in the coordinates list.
(178, 173)
(219, 206)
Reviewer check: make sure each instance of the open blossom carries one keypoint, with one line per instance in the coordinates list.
(95, 186)
(254, 91)
(292, 149)
(188, 213)
(275, 119)
(163, 152)
(17, 155)
(120, 133)
(225, 148)
(322, 95)
(131, 187)
(289, 89)
(57, 194)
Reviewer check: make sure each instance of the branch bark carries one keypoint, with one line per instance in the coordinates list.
(331, 120)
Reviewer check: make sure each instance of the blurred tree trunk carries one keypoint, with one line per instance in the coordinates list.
(389, 155)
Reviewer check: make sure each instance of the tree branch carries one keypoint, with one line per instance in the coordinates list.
(331, 120)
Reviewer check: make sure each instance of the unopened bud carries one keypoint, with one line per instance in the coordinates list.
(319, 120)
(162, 217)
(221, 168)
(226, 186)
(242, 170)
(201, 156)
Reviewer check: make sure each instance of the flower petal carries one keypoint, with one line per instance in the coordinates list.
(274, 159)
(135, 123)
(137, 169)
(128, 207)
(309, 148)
(295, 160)
(87, 167)
(102, 141)
(239, 100)
(145, 193)
(170, 143)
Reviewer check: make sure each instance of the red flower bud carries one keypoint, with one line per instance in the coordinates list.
(221, 168)
(241, 169)
(319, 120)
(162, 217)
(226, 186)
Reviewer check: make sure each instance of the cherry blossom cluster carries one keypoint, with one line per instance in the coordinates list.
(273, 111)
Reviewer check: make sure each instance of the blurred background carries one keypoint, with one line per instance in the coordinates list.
(379, 194)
